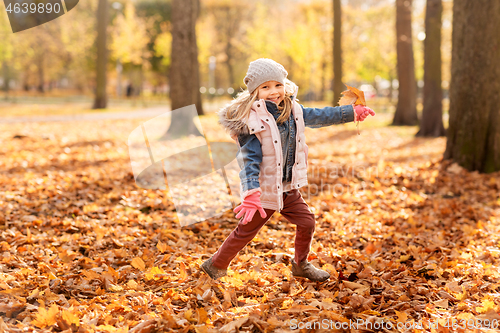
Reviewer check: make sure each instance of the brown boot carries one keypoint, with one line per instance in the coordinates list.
(212, 271)
(307, 270)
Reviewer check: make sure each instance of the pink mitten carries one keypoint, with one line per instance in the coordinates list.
(248, 208)
(361, 112)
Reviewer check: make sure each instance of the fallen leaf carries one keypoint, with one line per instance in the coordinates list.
(45, 318)
(139, 264)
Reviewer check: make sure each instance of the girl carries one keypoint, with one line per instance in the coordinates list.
(268, 125)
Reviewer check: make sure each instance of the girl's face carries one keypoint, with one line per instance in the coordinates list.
(271, 91)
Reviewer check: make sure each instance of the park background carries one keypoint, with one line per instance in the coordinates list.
(407, 212)
(59, 59)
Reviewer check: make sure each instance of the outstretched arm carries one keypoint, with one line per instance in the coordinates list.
(330, 115)
(315, 118)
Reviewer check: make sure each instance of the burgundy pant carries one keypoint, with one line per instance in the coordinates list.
(295, 210)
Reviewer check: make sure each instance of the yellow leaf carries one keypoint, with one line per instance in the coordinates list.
(45, 317)
(234, 282)
(152, 272)
(189, 315)
(138, 263)
(403, 258)
(202, 316)
(69, 318)
(161, 246)
(487, 305)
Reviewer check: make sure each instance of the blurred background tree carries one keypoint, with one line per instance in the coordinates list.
(431, 123)
(474, 132)
(298, 34)
(230, 34)
(406, 111)
(101, 98)
(184, 74)
(6, 53)
(129, 44)
(337, 51)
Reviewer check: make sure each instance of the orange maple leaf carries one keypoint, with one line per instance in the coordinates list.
(352, 96)
(45, 317)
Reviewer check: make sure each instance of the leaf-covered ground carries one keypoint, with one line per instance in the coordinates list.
(408, 239)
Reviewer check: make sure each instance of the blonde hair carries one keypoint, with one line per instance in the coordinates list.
(239, 109)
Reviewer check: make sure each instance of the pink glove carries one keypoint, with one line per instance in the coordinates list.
(361, 112)
(248, 208)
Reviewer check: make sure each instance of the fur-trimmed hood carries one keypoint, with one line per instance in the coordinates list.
(234, 128)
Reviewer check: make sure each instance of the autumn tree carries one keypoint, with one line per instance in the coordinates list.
(228, 17)
(6, 50)
(337, 51)
(473, 137)
(100, 100)
(130, 40)
(312, 30)
(406, 110)
(38, 54)
(370, 44)
(431, 123)
(262, 35)
(157, 13)
(184, 71)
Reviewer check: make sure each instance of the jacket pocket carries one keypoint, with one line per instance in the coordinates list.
(255, 124)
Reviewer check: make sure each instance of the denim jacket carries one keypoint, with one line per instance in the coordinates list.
(249, 155)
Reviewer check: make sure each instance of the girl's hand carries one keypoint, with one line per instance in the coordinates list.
(361, 112)
(248, 208)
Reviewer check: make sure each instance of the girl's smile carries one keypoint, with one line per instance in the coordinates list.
(271, 91)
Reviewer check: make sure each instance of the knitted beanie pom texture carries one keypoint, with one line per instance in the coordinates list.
(263, 70)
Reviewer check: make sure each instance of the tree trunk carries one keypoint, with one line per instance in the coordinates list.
(323, 81)
(100, 101)
(406, 111)
(431, 123)
(6, 78)
(338, 86)
(184, 69)
(474, 131)
(41, 76)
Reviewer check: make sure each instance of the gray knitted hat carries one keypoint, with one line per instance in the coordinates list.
(263, 70)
